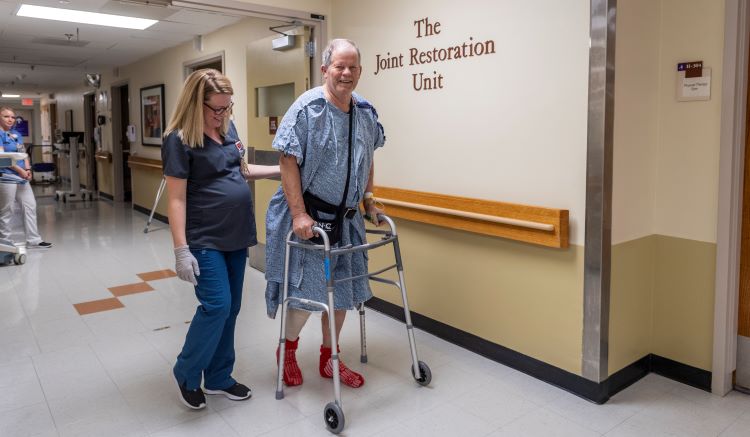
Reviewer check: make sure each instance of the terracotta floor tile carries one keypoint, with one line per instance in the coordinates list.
(96, 306)
(124, 290)
(158, 274)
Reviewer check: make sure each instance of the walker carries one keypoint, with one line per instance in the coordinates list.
(11, 253)
(333, 413)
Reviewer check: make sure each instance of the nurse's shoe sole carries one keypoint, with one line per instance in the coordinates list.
(193, 399)
(237, 392)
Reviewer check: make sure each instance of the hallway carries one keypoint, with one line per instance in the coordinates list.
(107, 373)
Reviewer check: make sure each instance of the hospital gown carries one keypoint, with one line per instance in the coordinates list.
(317, 133)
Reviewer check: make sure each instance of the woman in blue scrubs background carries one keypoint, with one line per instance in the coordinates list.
(212, 222)
(15, 185)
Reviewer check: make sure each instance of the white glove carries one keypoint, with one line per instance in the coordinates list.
(186, 265)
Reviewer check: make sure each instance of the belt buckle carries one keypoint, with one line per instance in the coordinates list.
(350, 212)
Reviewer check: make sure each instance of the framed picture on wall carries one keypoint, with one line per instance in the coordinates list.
(152, 115)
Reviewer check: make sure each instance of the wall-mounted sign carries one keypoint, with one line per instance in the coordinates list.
(693, 81)
(27, 102)
(431, 80)
(273, 124)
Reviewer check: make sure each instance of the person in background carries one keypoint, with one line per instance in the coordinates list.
(212, 221)
(314, 138)
(15, 186)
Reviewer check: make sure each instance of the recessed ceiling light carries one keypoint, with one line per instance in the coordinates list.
(10, 96)
(74, 16)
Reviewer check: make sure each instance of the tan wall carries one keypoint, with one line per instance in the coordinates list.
(265, 68)
(145, 184)
(104, 178)
(631, 326)
(523, 297)
(684, 300)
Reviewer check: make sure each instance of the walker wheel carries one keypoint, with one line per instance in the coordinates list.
(19, 258)
(425, 375)
(334, 417)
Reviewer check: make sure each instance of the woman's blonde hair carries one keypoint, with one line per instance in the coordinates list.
(187, 119)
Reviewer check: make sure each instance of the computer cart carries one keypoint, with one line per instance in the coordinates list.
(333, 413)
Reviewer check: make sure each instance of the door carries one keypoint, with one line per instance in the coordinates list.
(121, 145)
(274, 80)
(742, 375)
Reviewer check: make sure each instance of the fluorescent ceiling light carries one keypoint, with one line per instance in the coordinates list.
(74, 16)
(10, 96)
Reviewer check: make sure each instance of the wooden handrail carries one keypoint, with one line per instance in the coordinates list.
(137, 161)
(472, 215)
(530, 224)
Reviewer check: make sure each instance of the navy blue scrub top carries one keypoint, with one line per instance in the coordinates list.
(219, 205)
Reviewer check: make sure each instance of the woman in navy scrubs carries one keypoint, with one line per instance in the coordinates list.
(211, 217)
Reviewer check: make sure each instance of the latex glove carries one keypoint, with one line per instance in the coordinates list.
(186, 265)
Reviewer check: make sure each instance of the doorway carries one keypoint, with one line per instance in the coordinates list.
(275, 78)
(120, 143)
(89, 164)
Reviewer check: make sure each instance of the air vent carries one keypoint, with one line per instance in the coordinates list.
(60, 42)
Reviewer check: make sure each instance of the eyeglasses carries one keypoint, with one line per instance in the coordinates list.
(219, 111)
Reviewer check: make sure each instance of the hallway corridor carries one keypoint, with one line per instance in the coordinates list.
(107, 372)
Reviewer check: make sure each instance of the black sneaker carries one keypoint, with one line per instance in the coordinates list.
(237, 392)
(42, 245)
(194, 399)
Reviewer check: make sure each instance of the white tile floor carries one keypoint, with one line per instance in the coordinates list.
(108, 374)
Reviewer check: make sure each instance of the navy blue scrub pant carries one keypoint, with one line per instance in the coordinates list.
(209, 344)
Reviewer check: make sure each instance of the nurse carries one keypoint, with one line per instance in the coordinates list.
(315, 137)
(211, 217)
(15, 186)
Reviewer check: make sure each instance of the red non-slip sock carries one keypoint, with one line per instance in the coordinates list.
(292, 372)
(347, 375)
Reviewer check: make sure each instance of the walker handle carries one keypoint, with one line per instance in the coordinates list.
(384, 218)
(318, 231)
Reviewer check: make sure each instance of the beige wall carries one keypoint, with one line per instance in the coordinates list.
(510, 127)
(687, 179)
(665, 183)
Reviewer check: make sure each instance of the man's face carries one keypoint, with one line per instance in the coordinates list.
(342, 76)
(7, 119)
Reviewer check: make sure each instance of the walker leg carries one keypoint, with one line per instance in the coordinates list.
(332, 327)
(362, 337)
(156, 201)
(282, 332)
(282, 353)
(407, 314)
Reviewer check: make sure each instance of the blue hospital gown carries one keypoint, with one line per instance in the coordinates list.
(317, 133)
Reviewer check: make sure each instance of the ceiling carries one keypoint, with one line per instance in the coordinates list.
(37, 57)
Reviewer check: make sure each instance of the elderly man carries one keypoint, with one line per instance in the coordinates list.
(327, 138)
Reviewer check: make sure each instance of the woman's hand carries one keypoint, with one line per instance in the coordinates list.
(302, 225)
